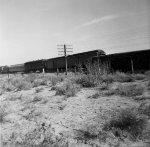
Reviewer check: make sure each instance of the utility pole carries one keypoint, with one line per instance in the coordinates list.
(63, 52)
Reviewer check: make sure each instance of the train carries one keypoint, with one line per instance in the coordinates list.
(54, 64)
(134, 61)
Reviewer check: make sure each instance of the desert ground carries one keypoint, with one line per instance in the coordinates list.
(77, 110)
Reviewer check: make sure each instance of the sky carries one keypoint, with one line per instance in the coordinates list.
(32, 29)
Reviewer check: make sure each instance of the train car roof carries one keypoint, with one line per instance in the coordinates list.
(125, 54)
(78, 54)
(16, 65)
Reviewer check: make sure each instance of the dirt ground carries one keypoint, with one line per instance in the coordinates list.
(67, 115)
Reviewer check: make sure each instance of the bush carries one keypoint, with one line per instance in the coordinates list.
(147, 73)
(139, 76)
(107, 78)
(117, 77)
(127, 90)
(144, 108)
(85, 80)
(37, 98)
(31, 77)
(20, 83)
(127, 121)
(53, 79)
(37, 90)
(8, 87)
(67, 88)
(38, 82)
(42, 136)
(3, 113)
(122, 77)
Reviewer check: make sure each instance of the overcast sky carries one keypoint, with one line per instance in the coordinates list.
(32, 29)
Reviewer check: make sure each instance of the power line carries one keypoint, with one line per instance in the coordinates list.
(65, 49)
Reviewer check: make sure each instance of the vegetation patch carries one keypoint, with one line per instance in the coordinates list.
(144, 108)
(127, 122)
(129, 90)
(37, 90)
(67, 88)
(38, 82)
(42, 136)
(3, 113)
(139, 76)
(85, 80)
(123, 77)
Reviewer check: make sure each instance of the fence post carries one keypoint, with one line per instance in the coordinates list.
(132, 67)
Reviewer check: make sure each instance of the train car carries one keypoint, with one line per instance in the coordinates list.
(16, 68)
(135, 61)
(75, 60)
(4, 69)
(34, 66)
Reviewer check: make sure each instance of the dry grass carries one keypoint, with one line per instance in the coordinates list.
(85, 80)
(37, 98)
(127, 122)
(127, 90)
(21, 84)
(37, 90)
(67, 88)
(42, 136)
(139, 76)
(130, 90)
(3, 113)
(144, 108)
(39, 82)
(8, 87)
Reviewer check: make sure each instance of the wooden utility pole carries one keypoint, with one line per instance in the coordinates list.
(65, 49)
(132, 67)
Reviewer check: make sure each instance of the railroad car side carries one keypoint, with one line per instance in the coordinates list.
(34, 66)
(4, 70)
(16, 68)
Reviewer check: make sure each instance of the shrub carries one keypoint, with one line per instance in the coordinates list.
(37, 98)
(38, 82)
(8, 87)
(122, 77)
(107, 78)
(31, 77)
(117, 77)
(3, 113)
(85, 80)
(53, 79)
(144, 108)
(127, 121)
(23, 85)
(85, 135)
(67, 88)
(129, 90)
(37, 90)
(42, 136)
(139, 76)
(94, 96)
(147, 73)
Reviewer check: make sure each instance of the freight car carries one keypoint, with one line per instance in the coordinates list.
(34, 66)
(4, 69)
(135, 61)
(16, 68)
(73, 61)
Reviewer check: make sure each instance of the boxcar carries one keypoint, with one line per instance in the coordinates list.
(51, 65)
(16, 68)
(4, 69)
(34, 66)
(135, 61)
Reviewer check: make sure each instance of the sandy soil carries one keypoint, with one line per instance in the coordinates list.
(27, 108)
